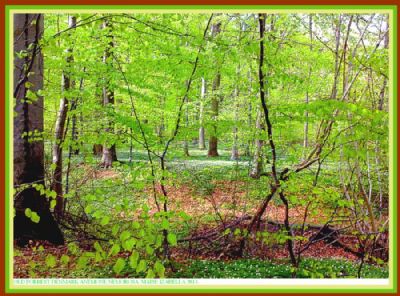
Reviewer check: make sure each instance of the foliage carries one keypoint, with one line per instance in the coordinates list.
(327, 99)
(252, 268)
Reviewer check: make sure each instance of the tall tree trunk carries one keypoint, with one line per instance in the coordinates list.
(72, 148)
(385, 80)
(68, 84)
(257, 166)
(380, 107)
(202, 140)
(109, 152)
(337, 60)
(235, 149)
(249, 115)
(97, 147)
(29, 155)
(160, 128)
(305, 142)
(213, 141)
(186, 141)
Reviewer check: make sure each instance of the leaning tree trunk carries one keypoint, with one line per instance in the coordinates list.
(37, 222)
(56, 183)
(213, 141)
(109, 152)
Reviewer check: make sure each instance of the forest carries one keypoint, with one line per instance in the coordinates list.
(201, 145)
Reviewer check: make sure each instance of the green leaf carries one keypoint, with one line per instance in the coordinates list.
(53, 203)
(105, 220)
(114, 250)
(89, 209)
(64, 259)
(82, 261)
(51, 261)
(165, 224)
(119, 265)
(97, 247)
(35, 217)
(125, 235)
(28, 212)
(129, 244)
(150, 274)
(159, 269)
(97, 214)
(52, 194)
(141, 266)
(171, 237)
(149, 250)
(133, 259)
(114, 230)
(135, 225)
(73, 248)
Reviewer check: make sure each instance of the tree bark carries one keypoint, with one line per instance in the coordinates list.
(186, 141)
(305, 142)
(249, 115)
(235, 148)
(257, 166)
(29, 155)
(202, 140)
(213, 141)
(68, 83)
(109, 152)
(337, 60)
(97, 149)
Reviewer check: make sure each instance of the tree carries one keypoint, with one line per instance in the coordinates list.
(68, 84)
(305, 141)
(202, 141)
(213, 142)
(33, 219)
(257, 165)
(109, 152)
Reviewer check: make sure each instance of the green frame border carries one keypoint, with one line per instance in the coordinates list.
(199, 289)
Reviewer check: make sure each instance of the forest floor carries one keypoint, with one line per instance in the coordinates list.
(212, 202)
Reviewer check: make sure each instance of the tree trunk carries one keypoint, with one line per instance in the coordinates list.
(305, 142)
(186, 141)
(258, 155)
(109, 152)
(97, 149)
(202, 140)
(249, 115)
(380, 107)
(29, 155)
(160, 128)
(337, 60)
(56, 184)
(235, 149)
(213, 141)
(385, 80)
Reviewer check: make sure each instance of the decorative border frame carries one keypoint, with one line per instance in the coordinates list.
(338, 286)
